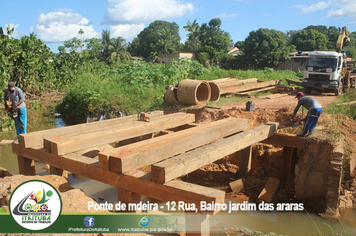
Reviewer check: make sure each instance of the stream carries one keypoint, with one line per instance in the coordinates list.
(281, 223)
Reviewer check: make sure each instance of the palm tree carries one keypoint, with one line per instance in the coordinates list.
(81, 32)
(193, 36)
(105, 41)
(118, 50)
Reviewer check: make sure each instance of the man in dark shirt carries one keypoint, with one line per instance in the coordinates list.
(17, 99)
(314, 110)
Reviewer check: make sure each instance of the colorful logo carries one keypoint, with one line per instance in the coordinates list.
(144, 221)
(89, 221)
(35, 205)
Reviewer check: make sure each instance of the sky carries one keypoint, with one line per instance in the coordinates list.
(57, 21)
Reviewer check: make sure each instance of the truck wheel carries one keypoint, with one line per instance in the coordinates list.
(307, 90)
(338, 92)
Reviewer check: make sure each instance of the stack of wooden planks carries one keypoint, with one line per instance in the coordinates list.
(184, 148)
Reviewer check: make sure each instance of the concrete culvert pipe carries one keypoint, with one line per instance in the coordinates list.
(193, 92)
(215, 92)
(170, 97)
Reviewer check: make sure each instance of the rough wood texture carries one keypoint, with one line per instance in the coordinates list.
(235, 82)
(26, 166)
(36, 138)
(237, 186)
(190, 161)
(286, 141)
(269, 190)
(258, 90)
(128, 197)
(245, 157)
(136, 182)
(147, 152)
(240, 88)
(62, 145)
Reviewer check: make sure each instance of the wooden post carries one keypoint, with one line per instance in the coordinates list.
(245, 162)
(197, 224)
(127, 197)
(56, 171)
(287, 163)
(26, 166)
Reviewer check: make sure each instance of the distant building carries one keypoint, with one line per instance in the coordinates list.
(234, 51)
(297, 62)
(175, 56)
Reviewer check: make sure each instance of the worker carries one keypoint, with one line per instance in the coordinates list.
(17, 99)
(314, 110)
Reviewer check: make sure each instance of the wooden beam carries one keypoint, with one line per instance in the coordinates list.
(137, 182)
(147, 152)
(235, 82)
(258, 90)
(285, 141)
(237, 185)
(56, 171)
(36, 138)
(240, 88)
(26, 166)
(193, 160)
(296, 82)
(245, 162)
(269, 190)
(63, 145)
(128, 197)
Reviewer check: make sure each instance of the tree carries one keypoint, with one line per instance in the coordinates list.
(331, 34)
(265, 48)
(309, 40)
(105, 41)
(73, 44)
(160, 37)
(213, 40)
(94, 47)
(81, 32)
(118, 50)
(193, 36)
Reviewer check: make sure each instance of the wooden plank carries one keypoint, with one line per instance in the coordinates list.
(56, 171)
(173, 191)
(291, 81)
(285, 141)
(36, 138)
(127, 197)
(26, 166)
(245, 162)
(63, 145)
(235, 82)
(240, 88)
(258, 90)
(147, 152)
(190, 161)
(237, 185)
(269, 190)
(6, 142)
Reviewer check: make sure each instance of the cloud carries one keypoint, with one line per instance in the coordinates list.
(126, 31)
(224, 15)
(315, 7)
(346, 8)
(336, 8)
(144, 11)
(60, 26)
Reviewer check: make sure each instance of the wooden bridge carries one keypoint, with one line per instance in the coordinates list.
(172, 145)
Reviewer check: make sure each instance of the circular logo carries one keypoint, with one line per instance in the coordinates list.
(35, 205)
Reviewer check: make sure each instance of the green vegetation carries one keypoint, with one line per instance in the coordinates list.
(348, 110)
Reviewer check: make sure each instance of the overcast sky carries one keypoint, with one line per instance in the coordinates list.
(57, 21)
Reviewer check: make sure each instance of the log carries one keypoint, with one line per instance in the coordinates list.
(147, 152)
(61, 145)
(236, 82)
(137, 182)
(240, 88)
(36, 138)
(193, 160)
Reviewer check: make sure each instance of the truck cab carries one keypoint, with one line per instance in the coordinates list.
(324, 72)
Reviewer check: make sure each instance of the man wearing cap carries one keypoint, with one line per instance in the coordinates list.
(17, 99)
(314, 110)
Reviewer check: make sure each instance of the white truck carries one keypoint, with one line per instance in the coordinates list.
(328, 71)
